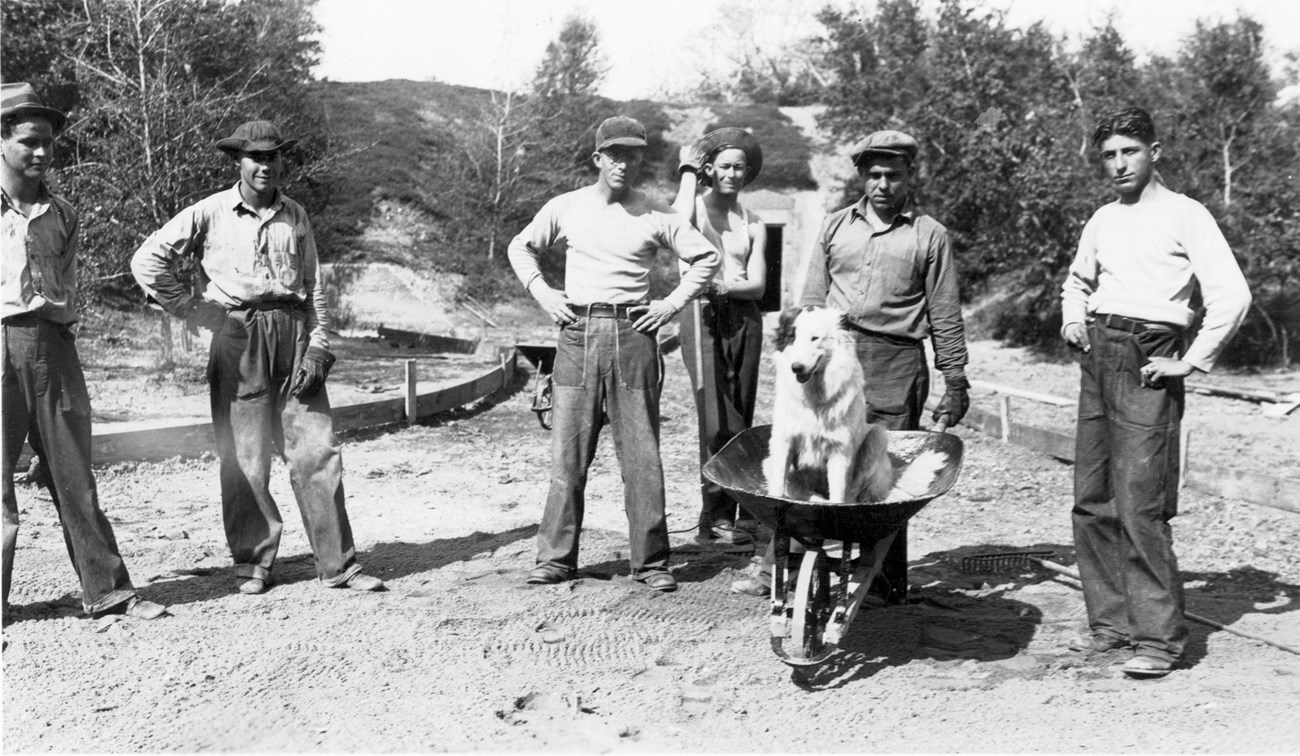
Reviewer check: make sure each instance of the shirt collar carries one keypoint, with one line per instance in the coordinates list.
(235, 200)
(43, 196)
(906, 215)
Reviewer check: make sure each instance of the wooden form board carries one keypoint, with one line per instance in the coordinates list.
(163, 440)
(1277, 492)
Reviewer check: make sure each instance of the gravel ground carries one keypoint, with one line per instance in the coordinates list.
(459, 655)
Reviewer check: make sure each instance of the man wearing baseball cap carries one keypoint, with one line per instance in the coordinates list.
(45, 400)
(607, 361)
(259, 294)
(890, 269)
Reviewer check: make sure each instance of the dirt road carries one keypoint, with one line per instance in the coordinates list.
(459, 655)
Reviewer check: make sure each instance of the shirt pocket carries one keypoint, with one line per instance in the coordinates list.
(285, 253)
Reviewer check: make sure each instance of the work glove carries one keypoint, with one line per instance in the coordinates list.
(312, 372)
(952, 407)
(689, 160)
(200, 313)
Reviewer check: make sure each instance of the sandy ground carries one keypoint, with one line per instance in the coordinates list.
(460, 655)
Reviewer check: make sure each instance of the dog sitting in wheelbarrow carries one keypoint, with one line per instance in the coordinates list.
(823, 445)
(820, 429)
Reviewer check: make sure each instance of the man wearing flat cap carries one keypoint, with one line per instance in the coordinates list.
(260, 296)
(607, 361)
(890, 268)
(45, 400)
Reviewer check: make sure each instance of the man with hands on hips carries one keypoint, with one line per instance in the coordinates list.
(1126, 304)
(607, 360)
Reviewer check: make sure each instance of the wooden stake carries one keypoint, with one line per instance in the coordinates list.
(412, 409)
(1005, 402)
(1184, 441)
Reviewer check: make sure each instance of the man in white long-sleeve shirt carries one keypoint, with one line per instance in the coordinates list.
(1127, 305)
(607, 360)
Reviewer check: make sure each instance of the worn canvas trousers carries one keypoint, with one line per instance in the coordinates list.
(251, 367)
(898, 382)
(731, 347)
(1126, 491)
(604, 368)
(46, 403)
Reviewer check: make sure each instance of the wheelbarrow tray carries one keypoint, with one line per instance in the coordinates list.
(540, 356)
(738, 468)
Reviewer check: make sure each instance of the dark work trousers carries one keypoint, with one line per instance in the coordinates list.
(46, 403)
(898, 382)
(1126, 491)
(606, 368)
(731, 345)
(251, 368)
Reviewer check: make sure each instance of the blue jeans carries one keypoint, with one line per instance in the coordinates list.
(251, 367)
(604, 368)
(45, 401)
(1126, 491)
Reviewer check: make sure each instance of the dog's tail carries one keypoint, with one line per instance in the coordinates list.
(914, 480)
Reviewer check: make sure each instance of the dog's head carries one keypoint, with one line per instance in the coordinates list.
(805, 337)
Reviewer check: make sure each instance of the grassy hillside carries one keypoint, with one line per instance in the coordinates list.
(394, 141)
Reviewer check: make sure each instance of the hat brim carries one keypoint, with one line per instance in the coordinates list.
(234, 146)
(621, 142)
(56, 118)
(733, 137)
(876, 152)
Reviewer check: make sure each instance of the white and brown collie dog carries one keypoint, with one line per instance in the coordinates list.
(819, 420)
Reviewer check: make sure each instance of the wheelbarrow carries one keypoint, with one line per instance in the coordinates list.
(542, 357)
(844, 543)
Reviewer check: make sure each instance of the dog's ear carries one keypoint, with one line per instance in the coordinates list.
(785, 328)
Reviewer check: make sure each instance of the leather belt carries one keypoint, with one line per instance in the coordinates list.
(275, 304)
(1121, 323)
(887, 337)
(25, 320)
(605, 310)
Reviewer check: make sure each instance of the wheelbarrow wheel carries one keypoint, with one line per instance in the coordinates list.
(812, 605)
(542, 399)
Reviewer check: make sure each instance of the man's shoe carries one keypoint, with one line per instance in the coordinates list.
(660, 581)
(731, 534)
(750, 585)
(253, 586)
(1098, 644)
(749, 526)
(548, 574)
(136, 608)
(363, 582)
(1143, 666)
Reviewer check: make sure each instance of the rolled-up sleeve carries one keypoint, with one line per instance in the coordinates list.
(152, 265)
(696, 251)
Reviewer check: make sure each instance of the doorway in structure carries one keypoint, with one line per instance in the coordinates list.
(771, 301)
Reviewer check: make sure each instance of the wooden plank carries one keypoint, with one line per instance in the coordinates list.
(1059, 401)
(369, 414)
(156, 443)
(1055, 443)
(446, 344)
(1280, 493)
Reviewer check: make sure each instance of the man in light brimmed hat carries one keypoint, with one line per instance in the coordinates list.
(890, 269)
(261, 298)
(45, 400)
(607, 361)
(722, 331)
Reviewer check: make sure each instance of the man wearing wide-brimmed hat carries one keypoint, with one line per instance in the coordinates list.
(45, 400)
(607, 361)
(890, 269)
(722, 331)
(260, 296)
